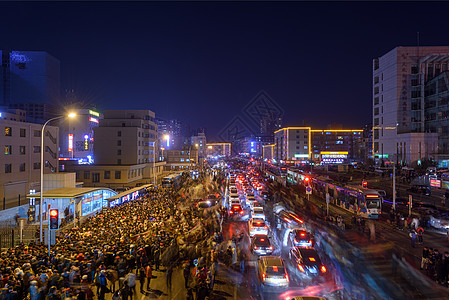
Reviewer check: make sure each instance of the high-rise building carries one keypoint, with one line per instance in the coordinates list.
(199, 142)
(125, 137)
(124, 156)
(20, 159)
(292, 143)
(319, 145)
(402, 102)
(270, 123)
(30, 80)
(76, 136)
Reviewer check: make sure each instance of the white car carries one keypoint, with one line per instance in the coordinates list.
(257, 226)
(251, 200)
(257, 213)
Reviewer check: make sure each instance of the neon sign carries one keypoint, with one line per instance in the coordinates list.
(94, 113)
(70, 142)
(92, 119)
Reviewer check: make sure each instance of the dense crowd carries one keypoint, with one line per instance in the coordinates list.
(113, 250)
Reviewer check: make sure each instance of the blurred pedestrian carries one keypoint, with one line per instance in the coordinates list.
(148, 275)
(420, 232)
(412, 235)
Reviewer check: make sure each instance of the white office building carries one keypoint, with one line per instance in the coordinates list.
(399, 79)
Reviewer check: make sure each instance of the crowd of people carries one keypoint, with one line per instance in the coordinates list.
(114, 250)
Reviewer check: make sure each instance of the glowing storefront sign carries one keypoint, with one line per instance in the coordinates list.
(435, 183)
(94, 113)
(70, 142)
(333, 157)
(86, 142)
(92, 119)
(301, 155)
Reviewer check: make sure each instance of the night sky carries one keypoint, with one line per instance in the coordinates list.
(203, 62)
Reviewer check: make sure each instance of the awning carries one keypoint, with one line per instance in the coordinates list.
(130, 191)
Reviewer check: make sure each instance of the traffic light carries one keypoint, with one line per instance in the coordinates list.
(54, 219)
(364, 183)
(307, 180)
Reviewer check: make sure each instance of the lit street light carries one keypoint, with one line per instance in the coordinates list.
(70, 115)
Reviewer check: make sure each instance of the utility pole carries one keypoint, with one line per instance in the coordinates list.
(394, 188)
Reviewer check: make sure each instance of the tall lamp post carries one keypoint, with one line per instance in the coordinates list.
(71, 115)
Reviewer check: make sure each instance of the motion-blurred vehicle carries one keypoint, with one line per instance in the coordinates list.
(301, 238)
(420, 189)
(307, 261)
(260, 244)
(272, 271)
(236, 210)
(439, 220)
(258, 213)
(257, 226)
(256, 204)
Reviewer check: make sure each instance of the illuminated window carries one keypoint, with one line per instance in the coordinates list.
(22, 150)
(8, 149)
(8, 131)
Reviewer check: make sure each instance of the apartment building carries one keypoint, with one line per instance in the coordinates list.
(20, 159)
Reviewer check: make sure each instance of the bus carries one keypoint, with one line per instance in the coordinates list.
(171, 180)
(355, 199)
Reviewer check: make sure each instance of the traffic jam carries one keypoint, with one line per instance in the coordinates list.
(283, 261)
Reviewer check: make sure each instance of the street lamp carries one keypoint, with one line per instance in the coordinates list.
(70, 115)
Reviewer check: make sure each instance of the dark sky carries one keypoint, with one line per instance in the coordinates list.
(203, 62)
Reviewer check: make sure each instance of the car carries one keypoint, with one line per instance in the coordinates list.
(307, 261)
(257, 226)
(260, 244)
(250, 195)
(439, 220)
(205, 204)
(251, 201)
(236, 210)
(272, 271)
(233, 190)
(420, 189)
(258, 213)
(255, 204)
(301, 238)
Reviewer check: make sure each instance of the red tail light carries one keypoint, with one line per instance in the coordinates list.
(286, 277)
(271, 247)
(255, 247)
(310, 241)
(265, 227)
(231, 212)
(301, 268)
(241, 212)
(263, 276)
(323, 269)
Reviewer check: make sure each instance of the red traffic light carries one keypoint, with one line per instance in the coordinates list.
(307, 179)
(54, 219)
(364, 183)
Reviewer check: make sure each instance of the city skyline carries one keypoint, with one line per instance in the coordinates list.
(221, 55)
